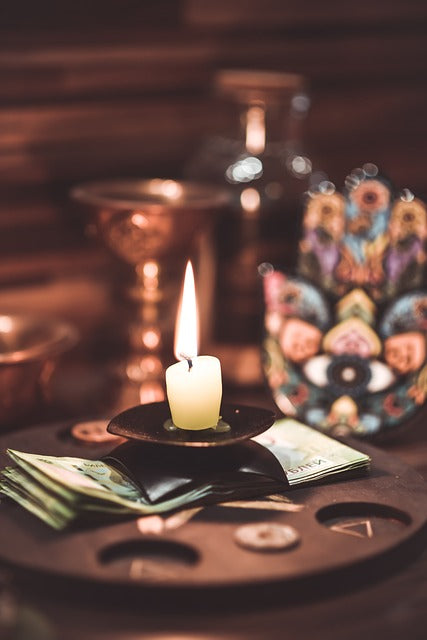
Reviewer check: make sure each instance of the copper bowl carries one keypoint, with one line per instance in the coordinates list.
(29, 349)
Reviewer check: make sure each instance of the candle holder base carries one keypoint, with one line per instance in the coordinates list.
(220, 427)
(153, 423)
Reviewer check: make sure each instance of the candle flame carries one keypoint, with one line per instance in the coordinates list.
(187, 323)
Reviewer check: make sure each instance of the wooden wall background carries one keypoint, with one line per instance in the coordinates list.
(123, 88)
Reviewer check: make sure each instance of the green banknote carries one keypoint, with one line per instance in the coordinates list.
(58, 517)
(61, 490)
(307, 455)
(92, 485)
(77, 476)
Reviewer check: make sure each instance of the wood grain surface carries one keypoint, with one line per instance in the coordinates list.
(386, 603)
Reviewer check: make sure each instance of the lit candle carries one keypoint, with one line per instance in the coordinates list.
(193, 385)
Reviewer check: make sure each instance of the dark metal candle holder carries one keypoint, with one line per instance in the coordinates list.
(146, 422)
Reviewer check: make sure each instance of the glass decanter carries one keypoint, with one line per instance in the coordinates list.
(262, 162)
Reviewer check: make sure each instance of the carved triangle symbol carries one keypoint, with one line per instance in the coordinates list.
(357, 528)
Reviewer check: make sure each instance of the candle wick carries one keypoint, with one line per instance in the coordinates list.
(189, 360)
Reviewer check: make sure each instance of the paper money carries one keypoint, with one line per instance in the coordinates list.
(35, 505)
(62, 490)
(307, 455)
(84, 485)
(91, 478)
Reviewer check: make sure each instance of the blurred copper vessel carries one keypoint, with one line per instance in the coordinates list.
(149, 219)
(29, 349)
(154, 226)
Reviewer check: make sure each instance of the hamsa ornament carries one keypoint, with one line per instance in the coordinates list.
(345, 337)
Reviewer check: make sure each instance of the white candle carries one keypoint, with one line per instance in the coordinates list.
(194, 394)
(193, 386)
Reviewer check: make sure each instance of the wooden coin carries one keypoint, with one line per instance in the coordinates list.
(94, 431)
(266, 536)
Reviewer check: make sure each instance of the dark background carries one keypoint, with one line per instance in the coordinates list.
(124, 88)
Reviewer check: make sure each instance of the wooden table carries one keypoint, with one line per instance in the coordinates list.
(389, 606)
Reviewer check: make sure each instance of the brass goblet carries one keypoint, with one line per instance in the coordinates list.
(154, 226)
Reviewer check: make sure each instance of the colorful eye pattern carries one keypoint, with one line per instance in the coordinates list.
(332, 355)
(359, 374)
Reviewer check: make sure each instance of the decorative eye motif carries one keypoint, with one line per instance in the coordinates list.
(325, 217)
(348, 375)
(335, 355)
(408, 219)
(370, 196)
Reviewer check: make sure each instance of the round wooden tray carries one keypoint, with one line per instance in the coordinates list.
(342, 525)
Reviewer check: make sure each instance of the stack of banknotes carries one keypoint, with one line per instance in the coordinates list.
(136, 480)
